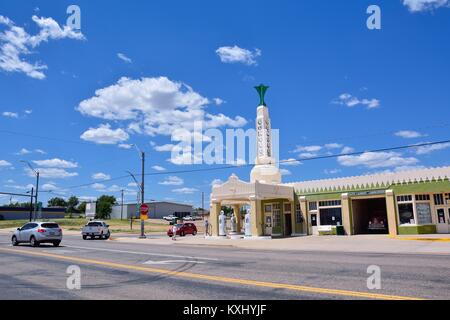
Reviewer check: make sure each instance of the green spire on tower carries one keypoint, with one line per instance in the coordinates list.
(262, 89)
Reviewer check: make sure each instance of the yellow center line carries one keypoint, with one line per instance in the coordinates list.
(190, 275)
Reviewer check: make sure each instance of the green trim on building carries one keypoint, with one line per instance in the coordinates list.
(425, 229)
(442, 186)
(329, 233)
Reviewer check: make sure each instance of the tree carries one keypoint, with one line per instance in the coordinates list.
(104, 206)
(57, 202)
(71, 204)
(82, 207)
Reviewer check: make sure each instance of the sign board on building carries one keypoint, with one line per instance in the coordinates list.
(367, 193)
(90, 210)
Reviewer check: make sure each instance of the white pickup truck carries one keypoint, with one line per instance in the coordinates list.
(96, 229)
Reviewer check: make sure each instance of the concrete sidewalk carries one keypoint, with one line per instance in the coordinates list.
(359, 243)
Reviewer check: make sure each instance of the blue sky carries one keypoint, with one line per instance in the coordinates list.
(75, 100)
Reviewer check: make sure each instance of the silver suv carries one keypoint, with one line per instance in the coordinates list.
(36, 233)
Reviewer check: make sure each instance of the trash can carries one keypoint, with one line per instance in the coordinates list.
(340, 231)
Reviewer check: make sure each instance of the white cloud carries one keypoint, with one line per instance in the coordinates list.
(52, 173)
(105, 135)
(125, 146)
(15, 43)
(333, 146)
(331, 171)
(347, 150)
(28, 111)
(158, 168)
(101, 176)
(285, 172)
(5, 20)
(155, 106)
(377, 160)
(351, 101)
(423, 5)
(236, 54)
(290, 162)
(172, 181)
(218, 101)
(9, 114)
(56, 163)
(133, 184)
(49, 187)
(99, 187)
(308, 148)
(164, 148)
(4, 163)
(123, 57)
(23, 151)
(216, 182)
(307, 155)
(408, 134)
(185, 190)
(40, 151)
(430, 148)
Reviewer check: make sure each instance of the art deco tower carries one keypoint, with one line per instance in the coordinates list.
(265, 169)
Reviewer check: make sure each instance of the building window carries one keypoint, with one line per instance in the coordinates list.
(447, 198)
(438, 199)
(330, 216)
(406, 213)
(298, 214)
(407, 198)
(312, 206)
(330, 203)
(423, 211)
(276, 213)
(422, 197)
(268, 208)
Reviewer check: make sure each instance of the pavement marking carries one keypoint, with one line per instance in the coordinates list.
(152, 262)
(182, 274)
(421, 239)
(144, 253)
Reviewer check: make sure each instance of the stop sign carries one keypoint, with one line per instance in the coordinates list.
(144, 209)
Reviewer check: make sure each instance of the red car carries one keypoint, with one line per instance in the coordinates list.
(183, 229)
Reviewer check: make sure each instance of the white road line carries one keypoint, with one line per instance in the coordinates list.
(151, 262)
(144, 253)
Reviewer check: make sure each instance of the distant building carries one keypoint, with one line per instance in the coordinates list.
(23, 213)
(157, 210)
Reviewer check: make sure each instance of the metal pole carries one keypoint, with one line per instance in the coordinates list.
(37, 191)
(31, 203)
(121, 208)
(203, 204)
(142, 193)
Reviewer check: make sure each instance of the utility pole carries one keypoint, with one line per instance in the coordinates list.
(36, 172)
(142, 193)
(203, 204)
(31, 203)
(121, 208)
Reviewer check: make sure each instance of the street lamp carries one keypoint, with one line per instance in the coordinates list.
(141, 188)
(36, 172)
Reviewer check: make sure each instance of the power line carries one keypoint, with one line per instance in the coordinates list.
(279, 162)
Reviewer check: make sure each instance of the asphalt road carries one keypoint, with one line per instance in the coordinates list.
(117, 270)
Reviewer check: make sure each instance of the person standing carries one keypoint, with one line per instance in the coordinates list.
(174, 231)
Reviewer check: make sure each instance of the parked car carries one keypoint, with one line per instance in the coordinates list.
(183, 229)
(188, 218)
(95, 229)
(36, 233)
(170, 218)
